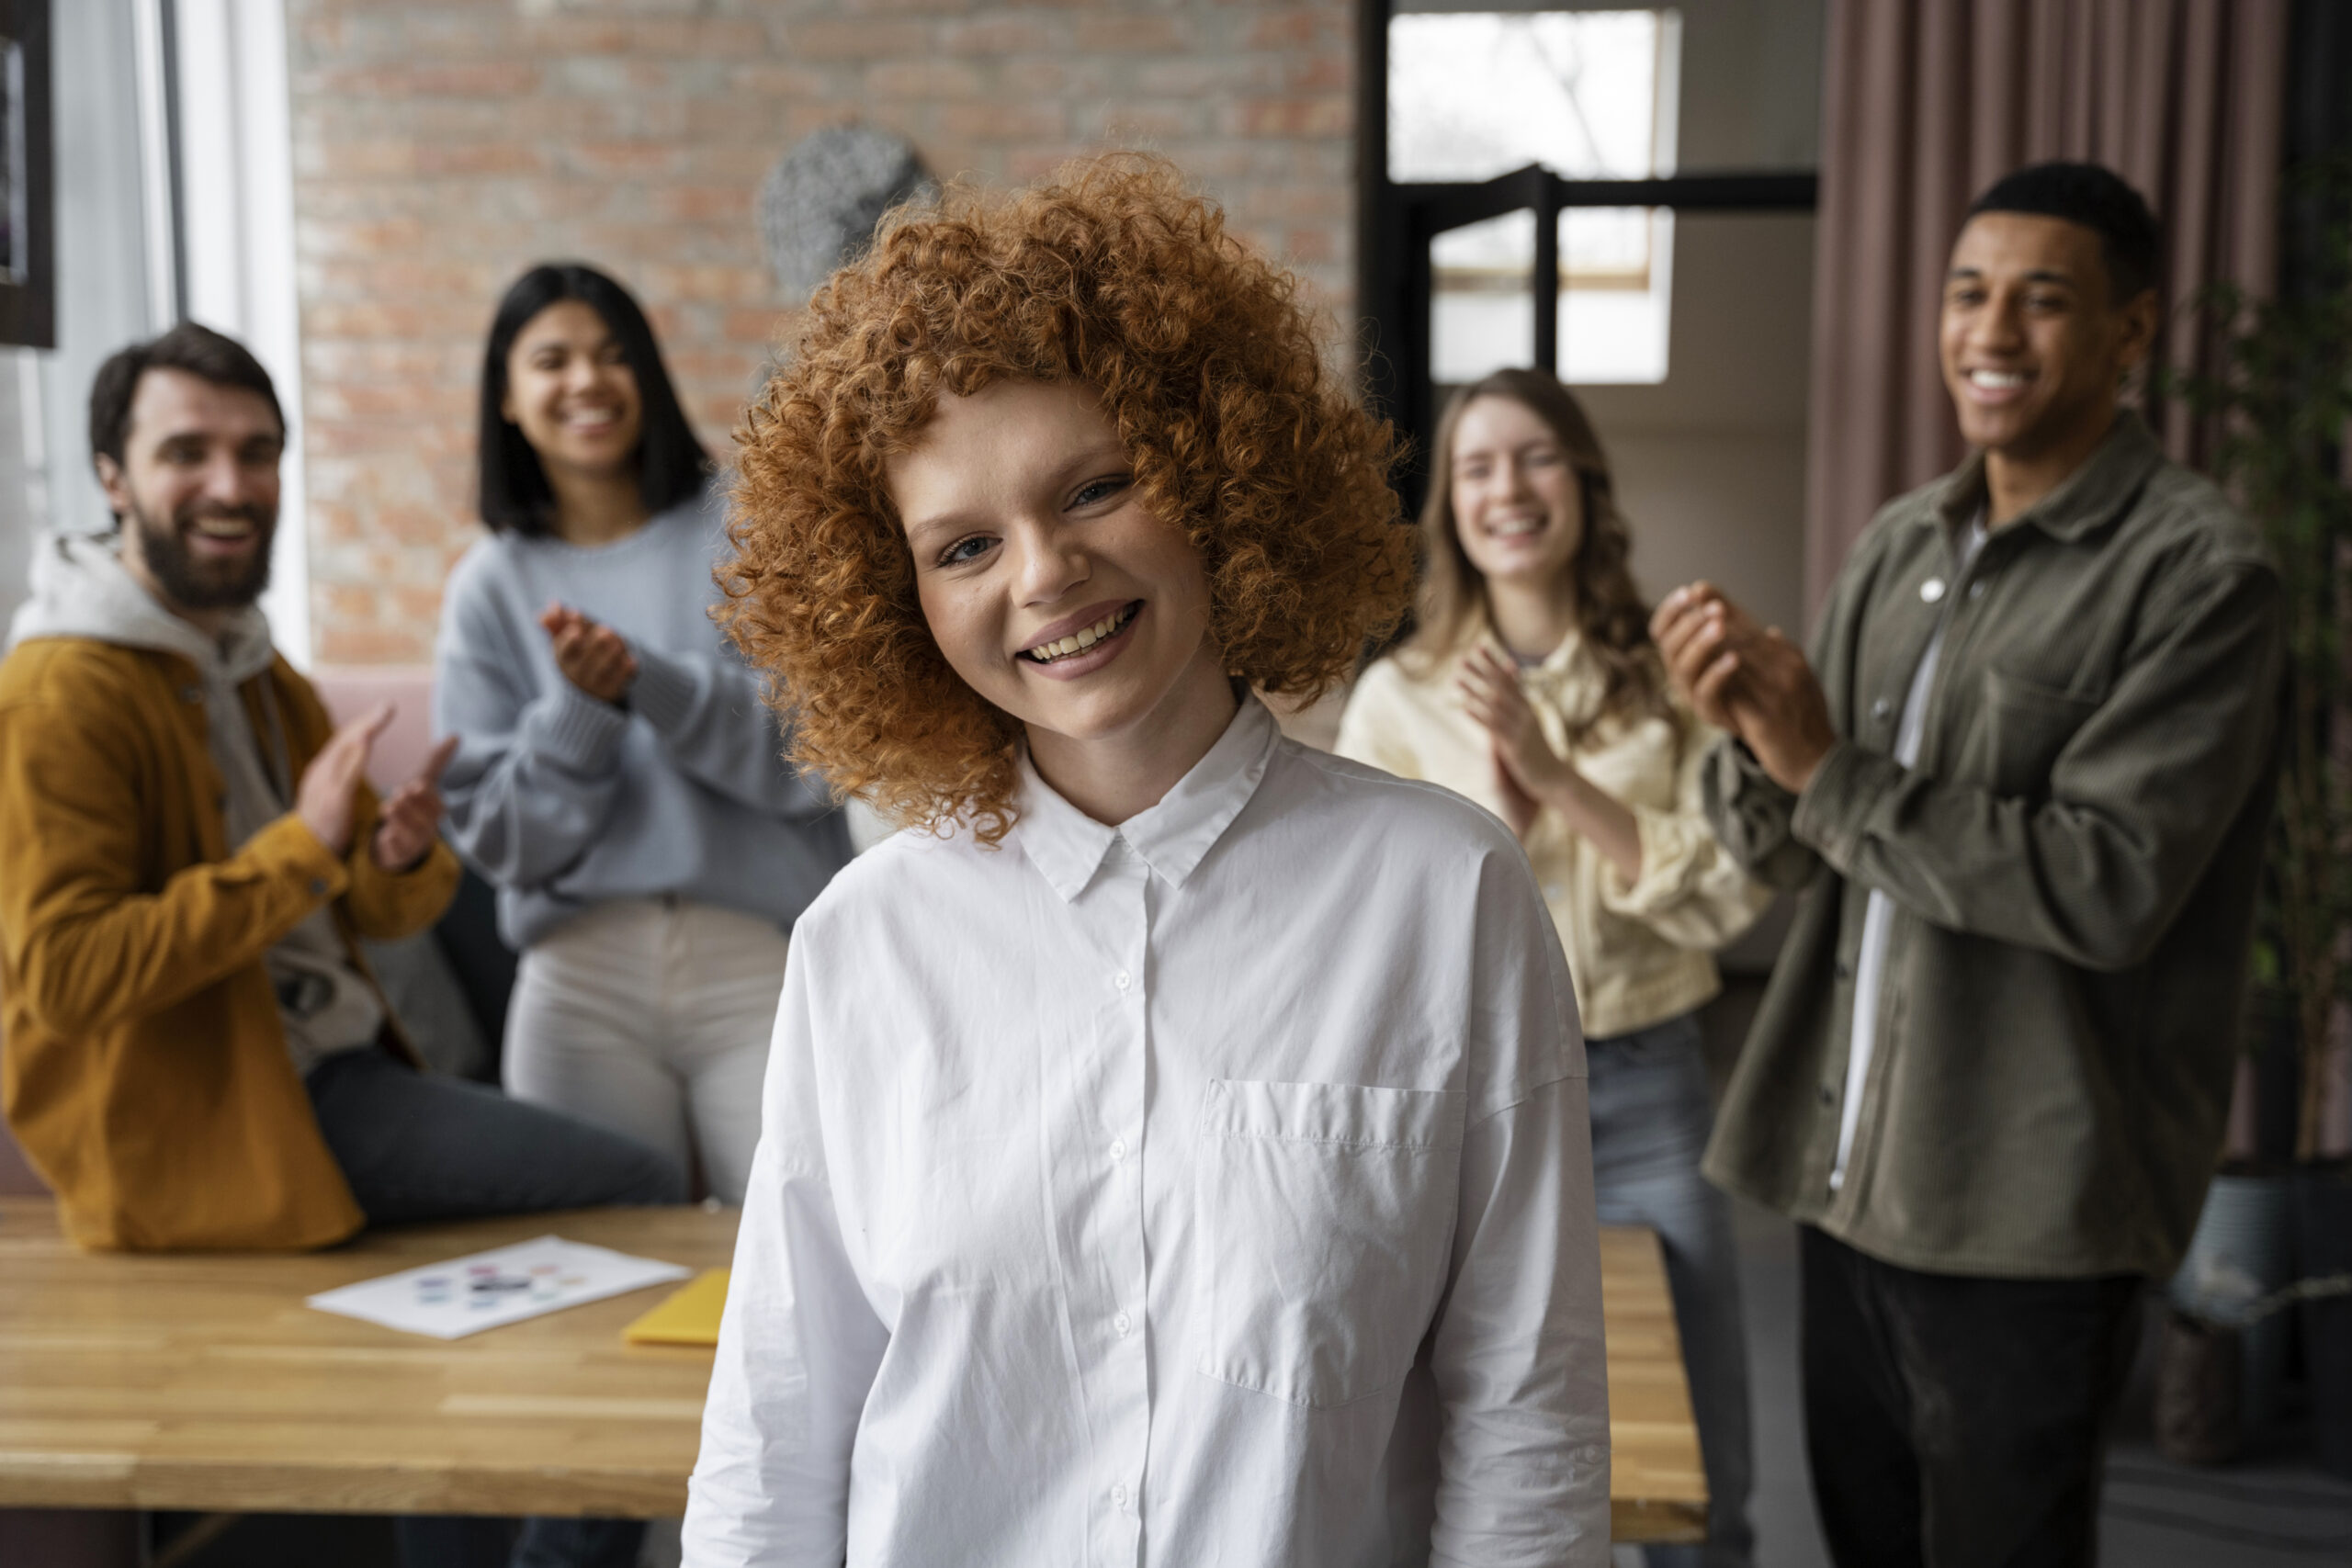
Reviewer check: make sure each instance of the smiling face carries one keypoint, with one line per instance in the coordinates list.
(571, 392)
(196, 490)
(2034, 348)
(1054, 590)
(1518, 507)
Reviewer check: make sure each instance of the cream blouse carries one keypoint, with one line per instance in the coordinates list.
(1639, 952)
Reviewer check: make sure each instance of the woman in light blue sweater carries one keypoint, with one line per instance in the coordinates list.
(617, 775)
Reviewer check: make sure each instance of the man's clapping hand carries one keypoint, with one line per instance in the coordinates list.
(411, 821)
(326, 796)
(1747, 679)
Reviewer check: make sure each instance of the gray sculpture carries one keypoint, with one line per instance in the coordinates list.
(819, 204)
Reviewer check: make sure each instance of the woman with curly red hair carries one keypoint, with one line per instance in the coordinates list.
(1175, 1144)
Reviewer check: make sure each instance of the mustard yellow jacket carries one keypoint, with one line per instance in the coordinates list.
(144, 1068)
(1640, 952)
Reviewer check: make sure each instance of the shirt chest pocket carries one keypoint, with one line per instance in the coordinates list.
(1326, 1212)
(2018, 733)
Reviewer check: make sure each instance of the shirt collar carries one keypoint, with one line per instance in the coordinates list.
(2090, 497)
(1554, 665)
(1173, 837)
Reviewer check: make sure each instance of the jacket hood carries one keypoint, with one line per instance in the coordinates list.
(81, 589)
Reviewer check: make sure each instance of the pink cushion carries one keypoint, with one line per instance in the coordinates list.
(350, 690)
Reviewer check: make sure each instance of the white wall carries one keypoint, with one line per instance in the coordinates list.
(1710, 463)
(237, 239)
(104, 297)
(119, 272)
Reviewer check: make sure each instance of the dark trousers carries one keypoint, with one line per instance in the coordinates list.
(1953, 1421)
(420, 1146)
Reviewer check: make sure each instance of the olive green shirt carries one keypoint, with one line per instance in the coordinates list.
(2073, 864)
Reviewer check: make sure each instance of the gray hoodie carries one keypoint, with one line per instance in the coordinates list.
(82, 590)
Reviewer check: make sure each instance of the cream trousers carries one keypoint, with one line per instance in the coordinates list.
(651, 1017)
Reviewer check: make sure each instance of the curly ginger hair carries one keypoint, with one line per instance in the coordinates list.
(1114, 276)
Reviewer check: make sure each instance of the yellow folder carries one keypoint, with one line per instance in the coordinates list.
(688, 1316)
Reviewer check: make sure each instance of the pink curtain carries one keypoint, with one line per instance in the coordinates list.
(1929, 101)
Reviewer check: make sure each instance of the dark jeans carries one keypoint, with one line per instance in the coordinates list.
(1953, 1421)
(419, 1146)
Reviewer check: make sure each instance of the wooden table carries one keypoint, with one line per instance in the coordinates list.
(203, 1382)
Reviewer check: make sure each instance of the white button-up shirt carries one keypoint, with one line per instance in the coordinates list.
(1216, 1188)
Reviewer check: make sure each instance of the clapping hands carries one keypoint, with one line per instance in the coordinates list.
(1529, 770)
(325, 796)
(1747, 679)
(591, 655)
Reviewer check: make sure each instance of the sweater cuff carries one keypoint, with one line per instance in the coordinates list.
(664, 691)
(578, 730)
(1829, 814)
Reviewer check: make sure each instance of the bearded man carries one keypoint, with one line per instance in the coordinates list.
(197, 1055)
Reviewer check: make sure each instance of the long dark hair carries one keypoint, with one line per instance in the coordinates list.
(1611, 615)
(671, 464)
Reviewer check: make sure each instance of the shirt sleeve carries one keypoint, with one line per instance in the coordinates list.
(2094, 871)
(1692, 890)
(1517, 1358)
(1752, 817)
(386, 905)
(799, 1346)
(535, 772)
(87, 939)
(716, 726)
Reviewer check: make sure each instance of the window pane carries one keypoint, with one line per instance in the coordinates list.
(1616, 273)
(1589, 94)
(1482, 316)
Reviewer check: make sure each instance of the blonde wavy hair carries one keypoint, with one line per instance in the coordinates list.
(1113, 276)
(1610, 614)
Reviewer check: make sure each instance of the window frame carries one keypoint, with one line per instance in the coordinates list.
(28, 310)
(1396, 285)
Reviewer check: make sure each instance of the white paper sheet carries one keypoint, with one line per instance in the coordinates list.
(507, 1284)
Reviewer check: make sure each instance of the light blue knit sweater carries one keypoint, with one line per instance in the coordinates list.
(562, 800)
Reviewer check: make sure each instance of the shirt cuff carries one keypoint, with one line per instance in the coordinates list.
(1739, 792)
(664, 691)
(1670, 846)
(577, 730)
(290, 846)
(1850, 782)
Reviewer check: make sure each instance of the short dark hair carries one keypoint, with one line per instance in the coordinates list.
(198, 351)
(671, 466)
(2100, 201)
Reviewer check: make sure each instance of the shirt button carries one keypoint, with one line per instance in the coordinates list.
(1123, 1322)
(1976, 590)
(1828, 1095)
(1121, 979)
(1119, 1494)
(318, 888)
(1118, 1149)
(1881, 708)
(1933, 589)
(1551, 890)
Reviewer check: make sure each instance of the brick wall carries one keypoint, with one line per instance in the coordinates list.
(441, 146)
